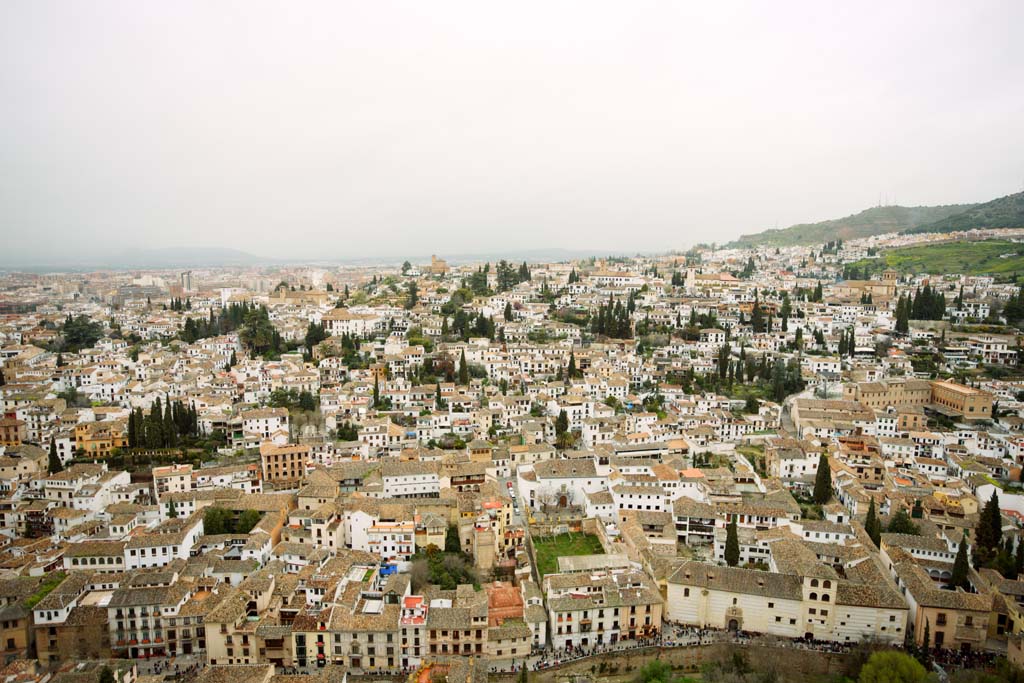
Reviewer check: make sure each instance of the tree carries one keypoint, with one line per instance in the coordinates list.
(307, 401)
(561, 423)
(988, 534)
(406, 267)
(960, 566)
(655, 671)
(902, 524)
(463, 369)
(732, 544)
(54, 464)
(823, 481)
(172, 511)
(452, 544)
(925, 653)
(106, 675)
(314, 335)
(216, 520)
(572, 372)
(412, 295)
(892, 666)
(872, 525)
(80, 333)
(508, 311)
(247, 521)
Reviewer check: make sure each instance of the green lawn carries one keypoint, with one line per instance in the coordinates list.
(550, 548)
(989, 257)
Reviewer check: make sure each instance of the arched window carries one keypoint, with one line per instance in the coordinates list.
(826, 584)
(824, 597)
(814, 596)
(814, 583)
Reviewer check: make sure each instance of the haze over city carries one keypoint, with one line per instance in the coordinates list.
(386, 129)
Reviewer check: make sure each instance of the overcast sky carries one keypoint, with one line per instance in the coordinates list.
(348, 129)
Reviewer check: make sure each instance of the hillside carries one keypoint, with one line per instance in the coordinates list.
(1005, 212)
(874, 221)
(989, 257)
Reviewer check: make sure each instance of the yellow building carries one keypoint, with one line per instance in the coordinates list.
(98, 439)
(972, 404)
(12, 432)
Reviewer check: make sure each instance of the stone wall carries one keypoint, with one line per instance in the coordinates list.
(791, 664)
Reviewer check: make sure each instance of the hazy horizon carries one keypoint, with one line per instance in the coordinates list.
(380, 130)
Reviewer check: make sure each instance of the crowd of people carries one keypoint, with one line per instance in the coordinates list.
(679, 635)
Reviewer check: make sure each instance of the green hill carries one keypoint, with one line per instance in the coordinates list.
(875, 221)
(1005, 212)
(1000, 258)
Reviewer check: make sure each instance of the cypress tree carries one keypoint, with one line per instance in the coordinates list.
(561, 423)
(732, 544)
(133, 438)
(926, 645)
(452, 544)
(54, 465)
(872, 526)
(463, 370)
(960, 566)
(823, 481)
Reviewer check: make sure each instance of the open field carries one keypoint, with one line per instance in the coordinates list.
(550, 548)
(988, 257)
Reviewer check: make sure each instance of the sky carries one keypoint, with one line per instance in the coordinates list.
(343, 130)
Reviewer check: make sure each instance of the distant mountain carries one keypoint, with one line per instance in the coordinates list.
(1005, 212)
(874, 221)
(186, 257)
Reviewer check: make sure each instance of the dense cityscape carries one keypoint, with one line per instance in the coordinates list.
(467, 342)
(512, 469)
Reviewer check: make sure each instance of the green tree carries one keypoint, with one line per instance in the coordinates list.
(960, 566)
(988, 535)
(902, 524)
(892, 666)
(463, 369)
(561, 423)
(106, 675)
(732, 544)
(247, 521)
(823, 481)
(307, 401)
(872, 526)
(54, 465)
(172, 511)
(508, 311)
(452, 544)
(314, 335)
(80, 333)
(216, 520)
(656, 671)
(412, 295)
